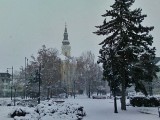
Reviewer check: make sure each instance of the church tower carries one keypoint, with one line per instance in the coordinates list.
(66, 48)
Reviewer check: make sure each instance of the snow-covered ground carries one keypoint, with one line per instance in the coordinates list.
(101, 109)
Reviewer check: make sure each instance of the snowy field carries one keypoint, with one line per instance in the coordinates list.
(100, 109)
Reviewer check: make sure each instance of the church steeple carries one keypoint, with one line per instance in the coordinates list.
(65, 30)
(65, 39)
(65, 43)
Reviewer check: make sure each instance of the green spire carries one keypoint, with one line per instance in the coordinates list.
(65, 39)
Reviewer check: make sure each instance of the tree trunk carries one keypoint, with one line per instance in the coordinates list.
(47, 93)
(115, 102)
(89, 91)
(123, 98)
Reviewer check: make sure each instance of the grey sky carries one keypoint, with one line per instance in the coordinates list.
(25, 25)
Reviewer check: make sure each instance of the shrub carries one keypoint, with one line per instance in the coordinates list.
(154, 102)
(63, 111)
(144, 101)
(18, 112)
(98, 97)
(80, 113)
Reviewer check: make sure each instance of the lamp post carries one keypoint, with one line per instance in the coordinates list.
(39, 83)
(26, 64)
(14, 96)
(11, 81)
(74, 85)
(14, 86)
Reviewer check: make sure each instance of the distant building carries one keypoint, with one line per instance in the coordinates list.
(67, 68)
(5, 89)
(66, 48)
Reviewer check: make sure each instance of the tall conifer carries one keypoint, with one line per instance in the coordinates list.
(127, 46)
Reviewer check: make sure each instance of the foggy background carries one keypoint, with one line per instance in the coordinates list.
(26, 25)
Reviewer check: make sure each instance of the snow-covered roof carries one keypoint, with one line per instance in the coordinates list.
(62, 57)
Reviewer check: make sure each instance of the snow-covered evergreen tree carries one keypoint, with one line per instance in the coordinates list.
(126, 48)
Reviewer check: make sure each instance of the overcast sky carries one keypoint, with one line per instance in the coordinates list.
(26, 25)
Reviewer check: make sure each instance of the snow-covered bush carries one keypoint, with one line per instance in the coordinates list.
(23, 113)
(18, 112)
(29, 103)
(49, 110)
(145, 101)
(99, 97)
(6, 102)
(64, 111)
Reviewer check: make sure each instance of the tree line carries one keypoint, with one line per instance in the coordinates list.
(85, 75)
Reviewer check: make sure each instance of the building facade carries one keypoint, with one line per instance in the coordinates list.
(5, 88)
(68, 66)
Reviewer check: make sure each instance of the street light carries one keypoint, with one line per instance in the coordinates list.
(26, 64)
(14, 86)
(38, 75)
(12, 80)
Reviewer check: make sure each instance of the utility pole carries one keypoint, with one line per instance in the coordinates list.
(39, 78)
(14, 96)
(11, 81)
(25, 77)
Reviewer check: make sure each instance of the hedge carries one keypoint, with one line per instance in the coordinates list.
(145, 101)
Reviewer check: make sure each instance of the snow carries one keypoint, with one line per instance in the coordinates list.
(100, 109)
(158, 64)
(62, 57)
(96, 109)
